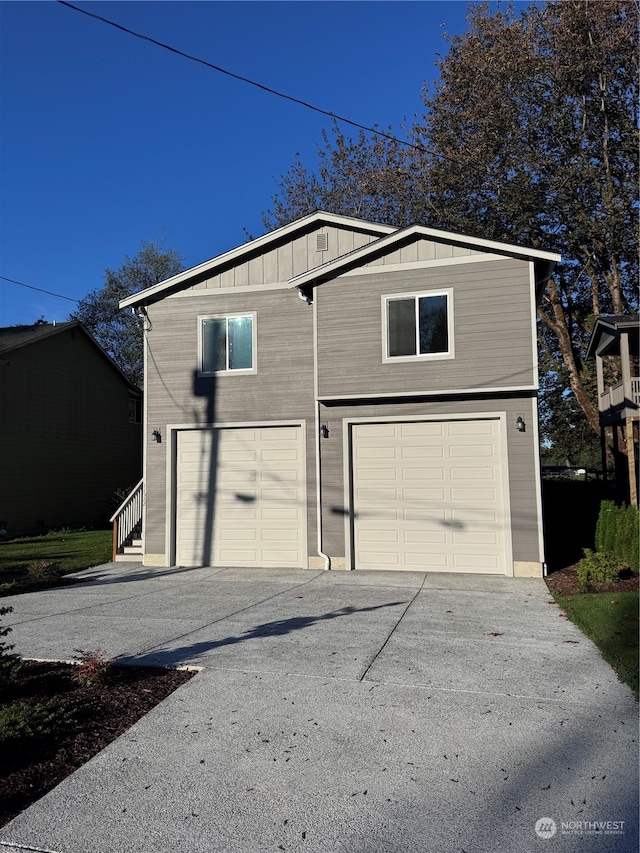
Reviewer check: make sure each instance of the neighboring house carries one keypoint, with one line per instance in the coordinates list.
(70, 428)
(344, 394)
(614, 343)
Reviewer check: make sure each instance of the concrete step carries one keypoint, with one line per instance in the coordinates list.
(129, 558)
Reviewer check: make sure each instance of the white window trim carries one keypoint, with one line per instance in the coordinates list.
(229, 316)
(431, 356)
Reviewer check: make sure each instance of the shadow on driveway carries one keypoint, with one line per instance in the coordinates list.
(277, 628)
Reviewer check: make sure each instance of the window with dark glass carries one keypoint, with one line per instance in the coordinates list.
(227, 343)
(418, 325)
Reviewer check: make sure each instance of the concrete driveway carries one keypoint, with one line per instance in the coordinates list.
(360, 712)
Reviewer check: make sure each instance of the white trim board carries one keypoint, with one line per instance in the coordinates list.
(421, 265)
(428, 395)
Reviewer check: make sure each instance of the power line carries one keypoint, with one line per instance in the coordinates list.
(39, 289)
(245, 79)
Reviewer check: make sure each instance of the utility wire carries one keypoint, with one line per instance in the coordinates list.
(39, 289)
(245, 79)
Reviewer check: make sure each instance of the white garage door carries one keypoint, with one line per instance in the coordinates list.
(429, 496)
(240, 497)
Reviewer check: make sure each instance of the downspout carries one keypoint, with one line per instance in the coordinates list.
(327, 560)
(318, 439)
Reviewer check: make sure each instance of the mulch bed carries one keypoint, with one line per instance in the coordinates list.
(565, 582)
(96, 714)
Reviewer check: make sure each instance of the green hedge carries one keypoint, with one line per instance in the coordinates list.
(618, 533)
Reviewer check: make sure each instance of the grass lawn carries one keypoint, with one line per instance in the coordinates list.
(610, 620)
(36, 562)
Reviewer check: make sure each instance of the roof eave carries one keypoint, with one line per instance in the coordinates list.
(544, 261)
(157, 291)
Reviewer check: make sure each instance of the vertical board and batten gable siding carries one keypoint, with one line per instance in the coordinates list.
(280, 390)
(422, 250)
(521, 455)
(492, 330)
(288, 259)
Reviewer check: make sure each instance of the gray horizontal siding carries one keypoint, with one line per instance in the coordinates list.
(282, 388)
(521, 449)
(492, 331)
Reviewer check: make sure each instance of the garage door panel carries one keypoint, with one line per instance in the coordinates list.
(279, 512)
(281, 455)
(423, 473)
(376, 453)
(422, 452)
(425, 536)
(420, 430)
(449, 501)
(231, 512)
(468, 472)
(380, 536)
(472, 496)
(257, 515)
(429, 562)
(472, 427)
(423, 495)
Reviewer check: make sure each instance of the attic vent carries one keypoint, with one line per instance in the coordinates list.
(322, 242)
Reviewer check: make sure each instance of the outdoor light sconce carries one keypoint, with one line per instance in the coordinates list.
(324, 431)
(520, 424)
(156, 436)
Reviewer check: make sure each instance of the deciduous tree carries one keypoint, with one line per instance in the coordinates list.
(120, 332)
(529, 136)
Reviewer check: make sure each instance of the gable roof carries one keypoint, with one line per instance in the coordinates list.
(13, 338)
(605, 337)
(260, 244)
(388, 239)
(544, 261)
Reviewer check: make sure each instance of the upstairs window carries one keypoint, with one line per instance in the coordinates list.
(227, 344)
(418, 326)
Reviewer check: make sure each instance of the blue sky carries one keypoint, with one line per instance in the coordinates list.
(106, 140)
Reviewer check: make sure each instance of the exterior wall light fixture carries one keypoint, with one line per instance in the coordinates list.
(324, 431)
(520, 424)
(156, 435)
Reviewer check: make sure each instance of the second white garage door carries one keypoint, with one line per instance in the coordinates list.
(240, 497)
(429, 496)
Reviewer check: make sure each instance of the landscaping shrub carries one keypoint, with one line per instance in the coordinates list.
(93, 667)
(618, 534)
(21, 721)
(597, 567)
(7, 664)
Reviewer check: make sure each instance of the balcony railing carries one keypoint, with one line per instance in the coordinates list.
(615, 398)
(127, 518)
